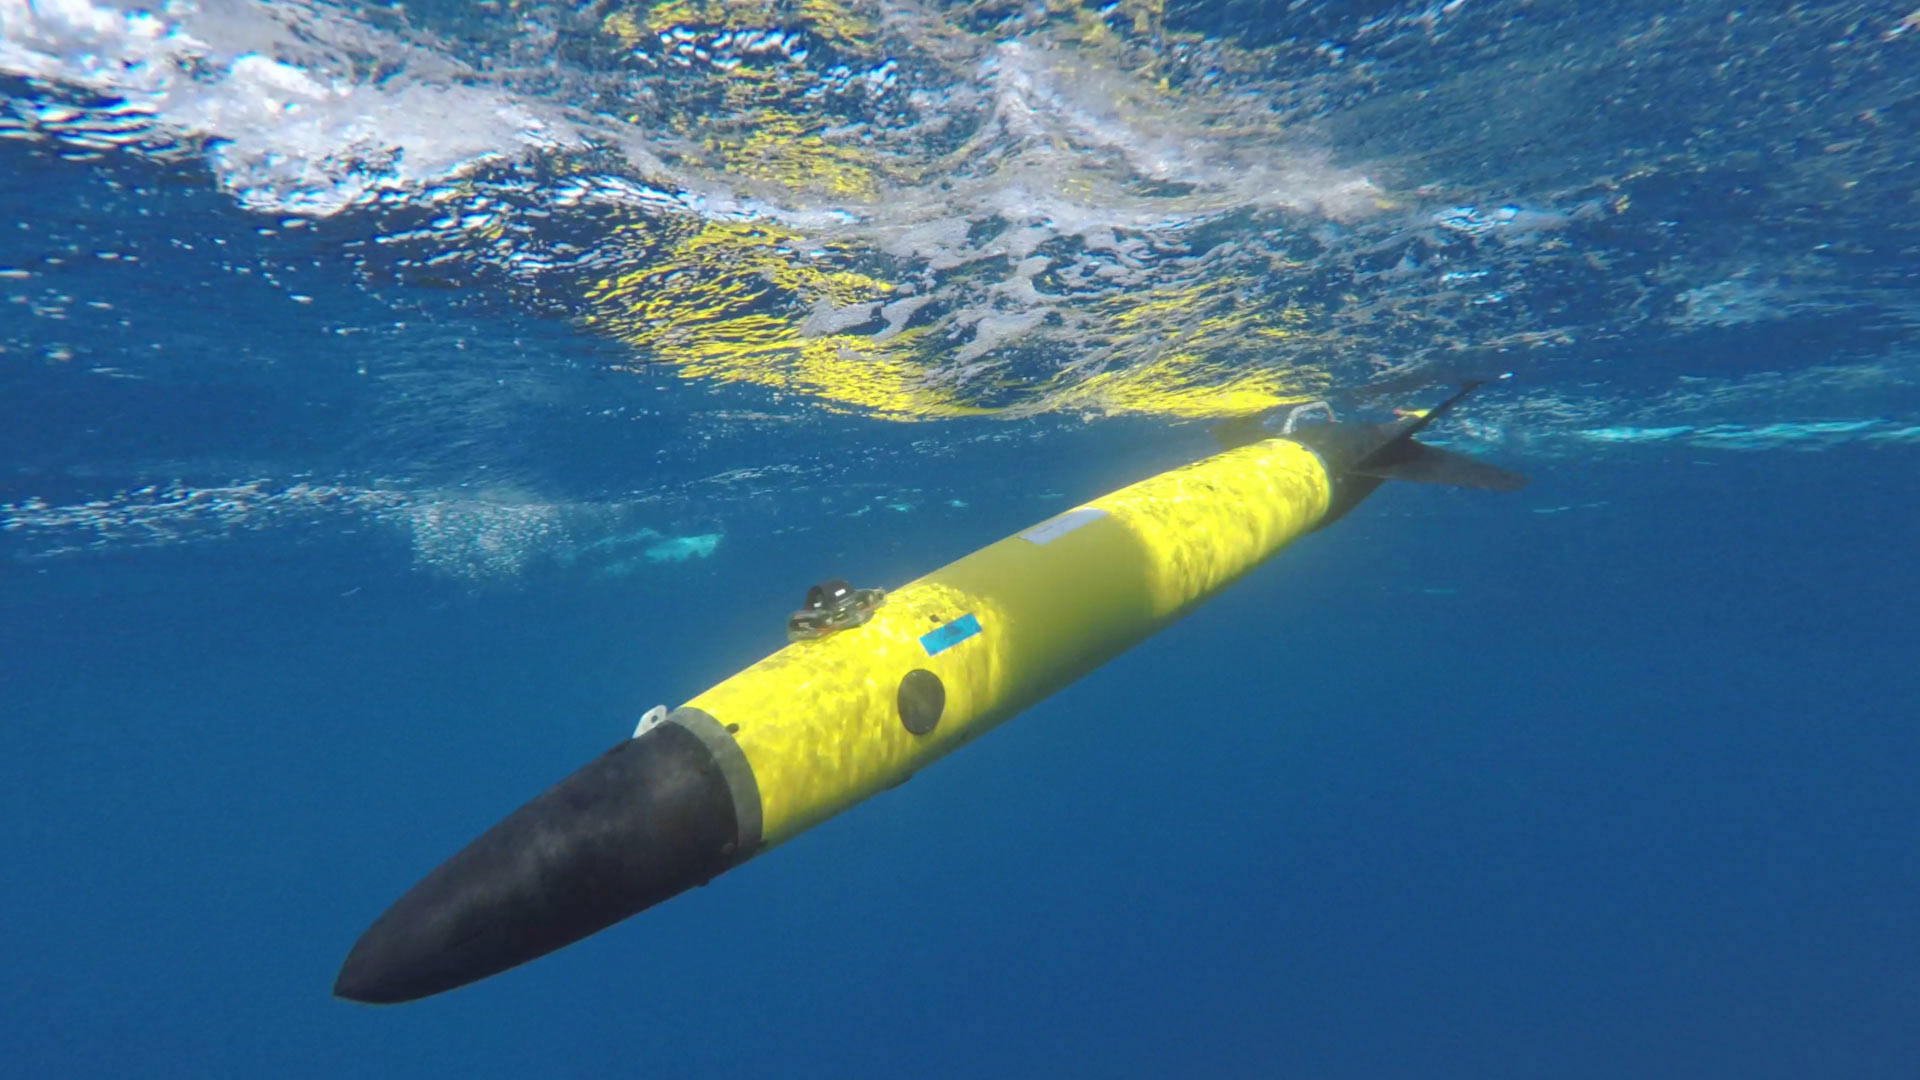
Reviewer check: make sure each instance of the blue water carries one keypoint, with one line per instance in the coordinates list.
(317, 556)
(1458, 787)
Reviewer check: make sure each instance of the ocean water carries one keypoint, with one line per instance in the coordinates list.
(397, 402)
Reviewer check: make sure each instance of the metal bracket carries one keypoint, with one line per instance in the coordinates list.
(650, 720)
(1294, 414)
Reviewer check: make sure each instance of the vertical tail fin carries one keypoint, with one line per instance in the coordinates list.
(1443, 408)
(1401, 458)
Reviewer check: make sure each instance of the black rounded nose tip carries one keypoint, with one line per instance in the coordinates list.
(647, 820)
(372, 976)
(416, 949)
(355, 984)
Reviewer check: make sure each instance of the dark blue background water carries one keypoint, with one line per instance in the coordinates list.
(1458, 787)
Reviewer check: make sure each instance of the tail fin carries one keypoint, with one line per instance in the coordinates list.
(1442, 409)
(1401, 458)
(1419, 463)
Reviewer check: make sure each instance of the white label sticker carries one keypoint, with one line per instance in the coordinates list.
(1048, 531)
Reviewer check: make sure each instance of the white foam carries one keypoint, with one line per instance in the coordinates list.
(307, 138)
(828, 319)
(481, 536)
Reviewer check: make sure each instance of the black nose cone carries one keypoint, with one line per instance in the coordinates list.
(646, 820)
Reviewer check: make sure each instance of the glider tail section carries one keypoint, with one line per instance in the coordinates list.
(1402, 458)
(1418, 463)
(1360, 457)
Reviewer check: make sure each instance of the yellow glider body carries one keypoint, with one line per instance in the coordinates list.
(830, 720)
(821, 722)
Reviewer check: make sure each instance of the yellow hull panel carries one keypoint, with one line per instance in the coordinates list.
(820, 721)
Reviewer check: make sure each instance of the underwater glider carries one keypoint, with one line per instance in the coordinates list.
(872, 687)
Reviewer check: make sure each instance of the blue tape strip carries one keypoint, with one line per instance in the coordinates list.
(955, 632)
